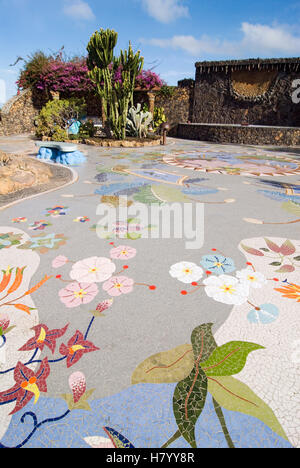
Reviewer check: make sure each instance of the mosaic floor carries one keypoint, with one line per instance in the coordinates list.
(111, 339)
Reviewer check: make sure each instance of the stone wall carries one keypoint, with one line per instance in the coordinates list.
(255, 91)
(236, 134)
(179, 107)
(19, 113)
(229, 97)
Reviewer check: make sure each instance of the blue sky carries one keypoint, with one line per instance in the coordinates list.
(172, 34)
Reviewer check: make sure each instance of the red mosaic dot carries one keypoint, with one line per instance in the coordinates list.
(58, 277)
(125, 267)
(213, 250)
(152, 288)
(209, 272)
(249, 263)
(275, 279)
(194, 283)
(184, 293)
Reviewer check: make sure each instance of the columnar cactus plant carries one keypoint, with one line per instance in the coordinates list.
(114, 77)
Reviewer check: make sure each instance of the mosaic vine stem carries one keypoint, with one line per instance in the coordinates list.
(220, 415)
(36, 426)
(176, 436)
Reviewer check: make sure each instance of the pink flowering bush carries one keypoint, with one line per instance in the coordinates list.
(55, 74)
(70, 77)
(147, 79)
(66, 78)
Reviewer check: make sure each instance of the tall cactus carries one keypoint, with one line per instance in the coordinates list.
(103, 65)
(100, 57)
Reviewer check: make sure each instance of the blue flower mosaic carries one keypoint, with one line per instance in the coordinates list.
(218, 264)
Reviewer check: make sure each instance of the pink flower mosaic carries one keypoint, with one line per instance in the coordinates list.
(77, 294)
(118, 285)
(93, 270)
(123, 252)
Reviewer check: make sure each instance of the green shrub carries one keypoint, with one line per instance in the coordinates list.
(53, 120)
(87, 130)
(35, 65)
(159, 116)
(167, 91)
(59, 134)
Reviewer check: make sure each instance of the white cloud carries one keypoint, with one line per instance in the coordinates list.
(166, 11)
(78, 9)
(257, 40)
(276, 38)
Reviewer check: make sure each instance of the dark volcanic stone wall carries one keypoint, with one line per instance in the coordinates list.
(178, 108)
(215, 101)
(240, 135)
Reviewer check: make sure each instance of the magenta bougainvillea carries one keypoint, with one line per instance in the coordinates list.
(63, 77)
(72, 78)
(66, 77)
(147, 79)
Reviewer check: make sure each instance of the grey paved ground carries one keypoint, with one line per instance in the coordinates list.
(145, 321)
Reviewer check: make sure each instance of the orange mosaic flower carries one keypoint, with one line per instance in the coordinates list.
(291, 291)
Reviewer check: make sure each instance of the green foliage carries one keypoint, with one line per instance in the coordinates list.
(53, 118)
(35, 65)
(167, 91)
(229, 359)
(59, 134)
(87, 130)
(210, 370)
(234, 395)
(101, 51)
(138, 122)
(188, 403)
(190, 394)
(114, 78)
(159, 116)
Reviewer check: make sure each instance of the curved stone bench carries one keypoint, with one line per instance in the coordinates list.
(60, 152)
(61, 146)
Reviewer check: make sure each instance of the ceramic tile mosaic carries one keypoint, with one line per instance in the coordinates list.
(111, 339)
